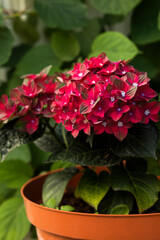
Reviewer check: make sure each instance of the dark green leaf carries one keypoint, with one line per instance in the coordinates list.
(115, 45)
(64, 14)
(87, 35)
(15, 173)
(120, 209)
(115, 6)
(26, 29)
(157, 204)
(83, 154)
(139, 142)
(6, 42)
(144, 187)
(55, 185)
(65, 45)
(14, 223)
(114, 198)
(92, 187)
(48, 143)
(154, 166)
(144, 22)
(36, 59)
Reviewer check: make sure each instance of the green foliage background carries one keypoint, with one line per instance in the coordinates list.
(59, 33)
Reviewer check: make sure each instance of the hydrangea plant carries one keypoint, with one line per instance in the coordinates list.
(100, 113)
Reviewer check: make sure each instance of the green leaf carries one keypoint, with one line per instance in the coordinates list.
(60, 164)
(14, 223)
(116, 7)
(144, 187)
(92, 187)
(65, 45)
(51, 203)
(55, 185)
(144, 23)
(120, 209)
(114, 198)
(139, 142)
(20, 153)
(64, 14)
(67, 208)
(36, 59)
(87, 35)
(6, 42)
(15, 173)
(11, 139)
(115, 45)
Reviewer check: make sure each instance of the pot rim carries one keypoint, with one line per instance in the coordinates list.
(76, 213)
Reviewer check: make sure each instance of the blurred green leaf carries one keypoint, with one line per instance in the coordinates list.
(115, 45)
(15, 173)
(60, 164)
(20, 153)
(36, 59)
(1, 16)
(17, 53)
(6, 42)
(145, 65)
(64, 14)
(87, 35)
(116, 7)
(26, 29)
(65, 45)
(5, 192)
(14, 223)
(144, 22)
(38, 156)
(159, 20)
(92, 187)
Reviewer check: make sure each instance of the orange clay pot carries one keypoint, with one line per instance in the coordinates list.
(54, 224)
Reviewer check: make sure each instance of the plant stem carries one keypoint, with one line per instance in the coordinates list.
(64, 136)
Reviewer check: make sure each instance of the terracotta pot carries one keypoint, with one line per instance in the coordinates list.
(54, 224)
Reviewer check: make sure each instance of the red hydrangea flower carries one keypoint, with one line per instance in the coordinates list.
(7, 109)
(98, 93)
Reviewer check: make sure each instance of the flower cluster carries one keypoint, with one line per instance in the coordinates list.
(106, 96)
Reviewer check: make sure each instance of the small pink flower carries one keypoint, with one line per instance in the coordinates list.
(150, 111)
